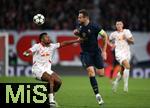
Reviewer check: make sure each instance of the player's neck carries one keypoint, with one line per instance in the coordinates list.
(44, 45)
(120, 30)
(87, 22)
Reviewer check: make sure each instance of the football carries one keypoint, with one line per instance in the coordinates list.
(39, 19)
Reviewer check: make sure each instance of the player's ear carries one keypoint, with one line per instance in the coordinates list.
(42, 39)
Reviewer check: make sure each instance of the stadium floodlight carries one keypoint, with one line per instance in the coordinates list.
(4, 58)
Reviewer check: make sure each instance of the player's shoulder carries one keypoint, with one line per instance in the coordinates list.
(126, 30)
(55, 44)
(94, 25)
(37, 44)
(113, 33)
(52, 44)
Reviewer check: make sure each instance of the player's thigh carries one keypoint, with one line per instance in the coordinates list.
(47, 77)
(100, 72)
(37, 72)
(91, 71)
(56, 77)
(98, 61)
(86, 60)
(120, 57)
(126, 64)
(124, 60)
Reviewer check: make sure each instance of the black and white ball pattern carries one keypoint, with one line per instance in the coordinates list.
(39, 19)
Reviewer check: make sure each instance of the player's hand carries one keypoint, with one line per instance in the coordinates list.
(104, 55)
(121, 37)
(113, 46)
(26, 54)
(76, 32)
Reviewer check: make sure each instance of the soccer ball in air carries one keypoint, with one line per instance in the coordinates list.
(39, 19)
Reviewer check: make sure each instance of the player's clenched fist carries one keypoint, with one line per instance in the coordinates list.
(76, 32)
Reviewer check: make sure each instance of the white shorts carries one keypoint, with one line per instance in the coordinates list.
(120, 57)
(38, 70)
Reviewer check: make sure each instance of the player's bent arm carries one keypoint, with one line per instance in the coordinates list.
(109, 42)
(76, 32)
(105, 39)
(27, 53)
(130, 40)
(65, 43)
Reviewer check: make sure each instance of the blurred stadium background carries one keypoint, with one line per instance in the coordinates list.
(16, 25)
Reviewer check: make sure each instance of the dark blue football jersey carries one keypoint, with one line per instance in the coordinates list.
(90, 33)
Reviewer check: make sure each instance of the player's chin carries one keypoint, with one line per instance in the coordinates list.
(48, 42)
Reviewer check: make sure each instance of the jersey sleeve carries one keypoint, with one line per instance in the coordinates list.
(55, 46)
(111, 37)
(128, 34)
(98, 29)
(34, 48)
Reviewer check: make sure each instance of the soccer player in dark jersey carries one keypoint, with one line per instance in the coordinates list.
(91, 56)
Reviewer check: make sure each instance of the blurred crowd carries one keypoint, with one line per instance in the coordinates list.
(62, 14)
(135, 13)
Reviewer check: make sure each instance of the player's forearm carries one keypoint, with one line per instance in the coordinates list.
(130, 40)
(65, 43)
(109, 43)
(105, 41)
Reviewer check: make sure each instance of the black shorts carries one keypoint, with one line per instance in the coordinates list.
(92, 59)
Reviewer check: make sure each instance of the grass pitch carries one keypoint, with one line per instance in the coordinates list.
(76, 92)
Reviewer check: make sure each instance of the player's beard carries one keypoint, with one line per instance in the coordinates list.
(47, 42)
(81, 23)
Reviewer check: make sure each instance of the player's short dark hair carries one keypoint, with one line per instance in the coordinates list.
(119, 20)
(42, 35)
(84, 12)
(125, 25)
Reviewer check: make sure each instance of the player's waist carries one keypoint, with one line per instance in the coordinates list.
(120, 52)
(91, 49)
(41, 62)
(122, 49)
(92, 53)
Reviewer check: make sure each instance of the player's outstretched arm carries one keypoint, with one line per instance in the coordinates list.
(65, 43)
(27, 53)
(105, 39)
